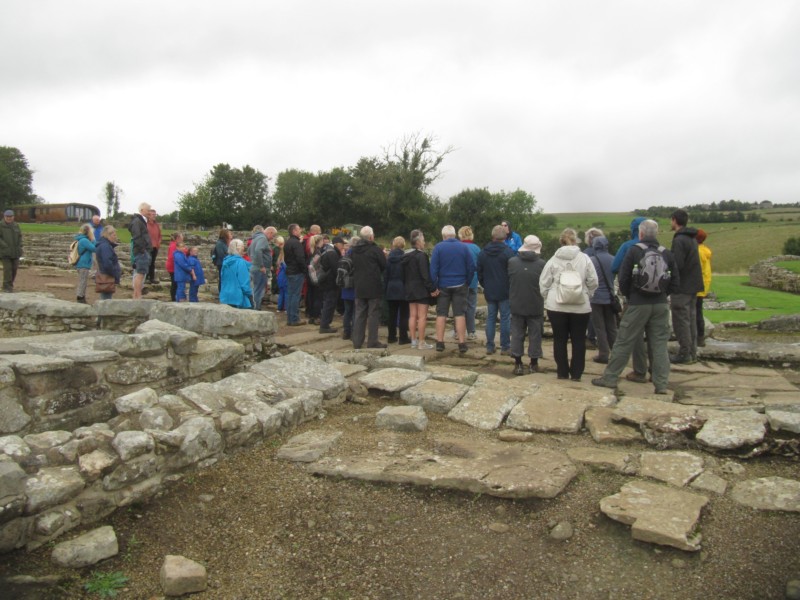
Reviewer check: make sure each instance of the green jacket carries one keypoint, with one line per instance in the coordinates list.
(10, 240)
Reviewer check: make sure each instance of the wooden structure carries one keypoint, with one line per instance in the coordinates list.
(68, 212)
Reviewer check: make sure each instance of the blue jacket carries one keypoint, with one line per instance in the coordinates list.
(86, 248)
(623, 250)
(394, 276)
(513, 241)
(602, 260)
(183, 272)
(107, 260)
(476, 250)
(235, 276)
(451, 264)
(493, 270)
(194, 264)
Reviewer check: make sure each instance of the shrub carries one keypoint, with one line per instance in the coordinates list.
(792, 246)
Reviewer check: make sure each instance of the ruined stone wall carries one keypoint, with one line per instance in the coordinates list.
(766, 274)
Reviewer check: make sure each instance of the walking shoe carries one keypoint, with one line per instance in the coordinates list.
(533, 367)
(378, 345)
(440, 346)
(425, 346)
(328, 330)
(414, 343)
(600, 382)
(679, 359)
(296, 324)
(519, 369)
(506, 352)
(462, 348)
(490, 351)
(575, 378)
(472, 337)
(636, 377)
(601, 360)
(662, 391)
(313, 321)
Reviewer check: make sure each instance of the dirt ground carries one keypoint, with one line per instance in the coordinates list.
(267, 529)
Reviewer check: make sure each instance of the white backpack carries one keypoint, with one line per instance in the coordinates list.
(569, 287)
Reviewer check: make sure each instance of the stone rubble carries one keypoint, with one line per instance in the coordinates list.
(87, 549)
(180, 575)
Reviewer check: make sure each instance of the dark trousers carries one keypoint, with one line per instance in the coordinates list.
(10, 266)
(569, 327)
(329, 299)
(701, 322)
(347, 318)
(313, 301)
(151, 272)
(398, 309)
(173, 287)
(605, 327)
(520, 324)
(684, 323)
(366, 321)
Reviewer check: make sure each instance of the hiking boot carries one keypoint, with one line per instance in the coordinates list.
(601, 360)
(636, 377)
(519, 369)
(440, 346)
(682, 359)
(462, 348)
(490, 351)
(662, 391)
(328, 330)
(533, 367)
(296, 324)
(378, 345)
(600, 382)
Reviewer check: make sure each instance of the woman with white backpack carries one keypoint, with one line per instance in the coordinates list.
(567, 283)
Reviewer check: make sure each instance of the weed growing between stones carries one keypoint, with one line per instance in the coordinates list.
(105, 584)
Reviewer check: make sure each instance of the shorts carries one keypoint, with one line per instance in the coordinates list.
(141, 264)
(457, 296)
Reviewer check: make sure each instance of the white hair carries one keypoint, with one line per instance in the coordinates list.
(448, 231)
(236, 246)
(648, 229)
(367, 233)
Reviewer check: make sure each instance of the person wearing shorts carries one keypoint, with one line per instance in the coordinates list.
(140, 248)
(452, 269)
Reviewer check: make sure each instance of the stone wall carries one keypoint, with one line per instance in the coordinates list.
(130, 447)
(766, 274)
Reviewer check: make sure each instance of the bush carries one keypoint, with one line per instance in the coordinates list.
(792, 246)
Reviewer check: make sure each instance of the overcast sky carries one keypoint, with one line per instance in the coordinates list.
(587, 104)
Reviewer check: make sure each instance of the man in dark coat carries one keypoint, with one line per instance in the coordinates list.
(294, 255)
(10, 249)
(683, 300)
(527, 304)
(142, 247)
(329, 261)
(369, 263)
(493, 277)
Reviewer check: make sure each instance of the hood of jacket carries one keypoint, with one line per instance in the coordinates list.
(600, 244)
(567, 252)
(495, 248)
(81, 236)
(396, 255)
(688, 231)
(635, 227)
(528, 255)
(362, 246)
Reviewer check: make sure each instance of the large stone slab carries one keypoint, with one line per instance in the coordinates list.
(308, 446)
(768, 493)
(402, 418)
(434, 395)
(752, 352)
(541, 413)
(493, 468)
(215, 319)
(348, 369)
(301, 370)
(210, 355)
(401, 361)
(452, 374)
(33, 364)
(734, 381)
(393, 379)
(605, 459)
(487, 403)
(658, 514)
(675, 468)
(574, 392)
(44, 305)
(641, 410)
(728, 430)
(604, 430)
(784, 420)
(87, 549)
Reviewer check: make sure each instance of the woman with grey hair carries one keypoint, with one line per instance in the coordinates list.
(235, 289)
(86, 247)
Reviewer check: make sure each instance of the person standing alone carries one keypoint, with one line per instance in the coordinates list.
(10, 249)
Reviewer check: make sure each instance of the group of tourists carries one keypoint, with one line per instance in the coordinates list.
(577, 290)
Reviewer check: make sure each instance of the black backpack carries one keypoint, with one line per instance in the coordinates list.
(651, 275)
(344, 272)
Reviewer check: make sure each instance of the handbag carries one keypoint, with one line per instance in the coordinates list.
(616, 305)
(104, 284)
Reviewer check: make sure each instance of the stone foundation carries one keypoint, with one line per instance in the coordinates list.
(766, 274)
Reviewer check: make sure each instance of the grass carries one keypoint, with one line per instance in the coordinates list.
(105, 584)
(789, 265)
(761, 303)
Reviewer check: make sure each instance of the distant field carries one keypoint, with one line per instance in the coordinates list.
(735, 246)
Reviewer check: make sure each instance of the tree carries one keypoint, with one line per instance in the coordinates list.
(792, 246)
(294, 198)
(112, 193)
(16, 179)
(482, 210)
(236, 196)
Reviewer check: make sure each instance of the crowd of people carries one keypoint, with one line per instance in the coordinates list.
(578, 291)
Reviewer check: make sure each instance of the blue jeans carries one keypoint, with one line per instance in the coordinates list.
(259, 281)
(293, 292)
(504, 306)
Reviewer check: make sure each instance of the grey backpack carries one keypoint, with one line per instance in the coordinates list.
(651, 275)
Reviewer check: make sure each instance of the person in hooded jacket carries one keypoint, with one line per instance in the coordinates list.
(527, 305)
(328, 291)
(419, 288)
(107, 259)
(86, 249)
(493, 277)
(369, 263)
(683, 303)
(395, 293)
(603, 317)
(511, 238)
(641, 350)
(236, 290)
(568, 320)
(183, 271)
(198, 277)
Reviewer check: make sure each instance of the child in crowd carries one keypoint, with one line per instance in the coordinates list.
(183, 272)
(198, 277)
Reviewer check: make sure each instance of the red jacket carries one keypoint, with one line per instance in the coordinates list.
(154, 229)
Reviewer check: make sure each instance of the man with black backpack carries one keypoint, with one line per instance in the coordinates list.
(648, 275)
(329, 262)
